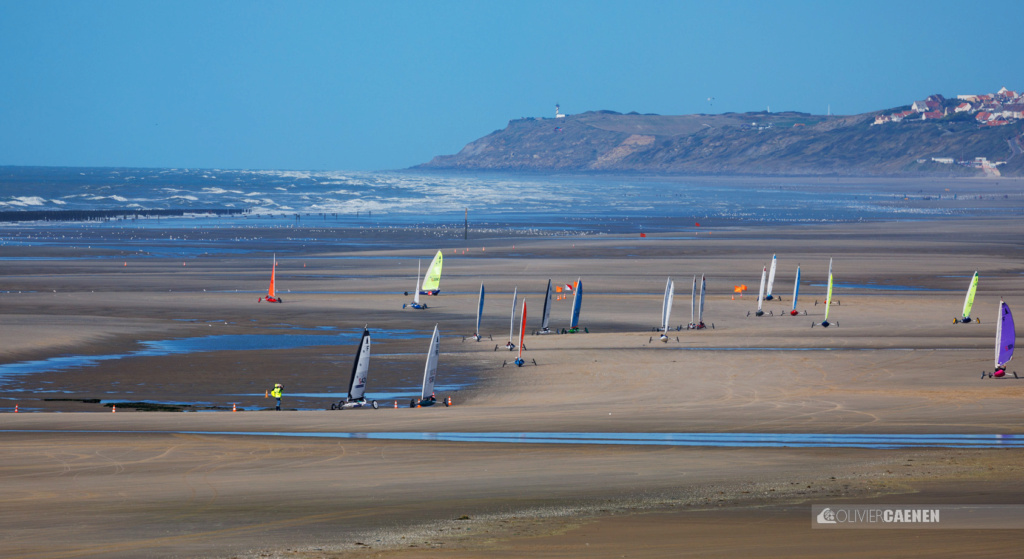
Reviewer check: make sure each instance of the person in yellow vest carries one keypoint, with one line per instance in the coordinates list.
(276, 393)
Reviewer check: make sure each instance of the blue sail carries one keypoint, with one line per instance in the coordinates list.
(577, 300)
(480, 310)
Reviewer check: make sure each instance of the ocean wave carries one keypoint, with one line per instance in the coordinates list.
(25, 201)
(285, 174)
(441, 197)
(259, 201)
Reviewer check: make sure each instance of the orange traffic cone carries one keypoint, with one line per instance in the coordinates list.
(266, 393)
(449, 400)
(15, 408)
(233, 408)
(396, 404)
(113, 408)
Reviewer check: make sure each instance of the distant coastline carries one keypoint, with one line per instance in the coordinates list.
(965, 137)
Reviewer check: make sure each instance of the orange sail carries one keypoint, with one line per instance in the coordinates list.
(271, 292)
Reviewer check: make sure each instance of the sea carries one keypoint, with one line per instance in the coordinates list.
(52, 213)
(542, 204)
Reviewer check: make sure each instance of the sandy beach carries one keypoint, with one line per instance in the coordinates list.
(81, 481)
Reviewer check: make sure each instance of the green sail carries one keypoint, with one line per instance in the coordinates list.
(828, 298)
(969, 301)
(432, 280)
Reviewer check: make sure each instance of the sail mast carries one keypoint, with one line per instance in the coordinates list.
(416, 293)
(430, 369)
(512, 321)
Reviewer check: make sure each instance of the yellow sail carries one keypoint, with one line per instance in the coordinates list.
(969, 300)
(828, 298)
(432, 280)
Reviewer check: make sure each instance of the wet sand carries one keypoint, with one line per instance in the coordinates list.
(86, 482)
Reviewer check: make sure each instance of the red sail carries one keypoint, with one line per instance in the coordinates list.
(522, 330)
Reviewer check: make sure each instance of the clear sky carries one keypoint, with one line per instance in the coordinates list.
(380, 84)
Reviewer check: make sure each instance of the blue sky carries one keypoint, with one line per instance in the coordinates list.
(385, 85)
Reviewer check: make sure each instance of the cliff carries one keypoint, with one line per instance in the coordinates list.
(760, 143)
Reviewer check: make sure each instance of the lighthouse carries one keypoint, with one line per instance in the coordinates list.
(558, 114)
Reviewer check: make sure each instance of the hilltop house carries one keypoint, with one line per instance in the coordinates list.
(990, 109)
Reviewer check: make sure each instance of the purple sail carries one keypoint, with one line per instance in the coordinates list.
(1006, 335)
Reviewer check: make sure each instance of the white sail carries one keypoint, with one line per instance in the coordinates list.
(664, 304)
(416, 293)
(668, 304)
(771, 280)
(828, 297)
(577, 302)
(693, 300)
(430, 370)
(512, 322)
(546, 314)
(796, 287)
(703, 289)
(479, 311)
(360, 368)
(760, 291)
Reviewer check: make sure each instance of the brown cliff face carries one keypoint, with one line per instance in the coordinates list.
(748, 143)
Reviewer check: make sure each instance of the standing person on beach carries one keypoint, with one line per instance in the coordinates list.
(276, 393)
